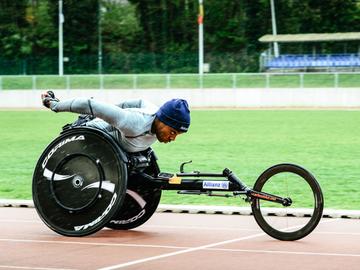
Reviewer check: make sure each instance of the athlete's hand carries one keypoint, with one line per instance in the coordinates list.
(47, 98)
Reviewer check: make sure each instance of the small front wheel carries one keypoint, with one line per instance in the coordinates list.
(294, 221)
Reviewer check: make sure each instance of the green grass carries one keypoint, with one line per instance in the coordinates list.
(325, 142)
(280, 81)
(185, 81)
(164, 81)
(321, 80)
(349, 80)
(118, 82)
(85, 82)
(153, 81)
(18, 82)
(255, 81)
(50, 82)
(218, 81)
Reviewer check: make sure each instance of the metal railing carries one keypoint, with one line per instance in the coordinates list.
(181, 81)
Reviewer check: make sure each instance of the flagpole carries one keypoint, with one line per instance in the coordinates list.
(201, 37)
(61, 53)
(273, 23)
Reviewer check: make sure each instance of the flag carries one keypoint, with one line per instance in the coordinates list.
(201, 14)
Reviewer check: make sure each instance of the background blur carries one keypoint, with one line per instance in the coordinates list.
(161, 36)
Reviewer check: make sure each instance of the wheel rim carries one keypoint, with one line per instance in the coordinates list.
(67, 191)
(297, 220)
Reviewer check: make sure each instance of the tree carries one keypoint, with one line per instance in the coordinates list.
(13, 24)
(120, 27)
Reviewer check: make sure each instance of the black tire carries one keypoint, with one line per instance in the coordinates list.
(79, 182)
(141, 201)
(289, 181)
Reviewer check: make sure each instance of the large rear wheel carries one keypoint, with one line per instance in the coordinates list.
(79, 182)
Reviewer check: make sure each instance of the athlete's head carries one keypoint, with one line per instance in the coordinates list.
(172, 119)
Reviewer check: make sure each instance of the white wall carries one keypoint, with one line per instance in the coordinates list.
(241, 98)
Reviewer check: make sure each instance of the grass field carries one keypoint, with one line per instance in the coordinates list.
(164, 81)
(247, 141)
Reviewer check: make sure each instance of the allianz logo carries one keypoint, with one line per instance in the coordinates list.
(216, 184)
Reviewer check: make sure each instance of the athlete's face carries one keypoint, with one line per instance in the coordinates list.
(165, 133)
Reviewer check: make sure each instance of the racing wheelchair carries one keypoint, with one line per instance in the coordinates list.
(84, 181)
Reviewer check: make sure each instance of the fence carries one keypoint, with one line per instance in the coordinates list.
(182, 81)
(130, 63)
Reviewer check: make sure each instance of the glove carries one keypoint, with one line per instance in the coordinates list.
(47, 98)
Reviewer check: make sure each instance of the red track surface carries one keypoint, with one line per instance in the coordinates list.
(176, 241)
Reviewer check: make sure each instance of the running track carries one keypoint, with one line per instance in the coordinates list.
(171, 241)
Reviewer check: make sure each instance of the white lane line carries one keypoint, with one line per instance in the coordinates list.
(285, 252)
(88, 243)
(181, 247)
(188, 227)
(32, 268)
(121, 265)
(196, 227)
(200, 228)
(19, 221)
(339, 233)
(175, 253)
(150, 226)
(239, 229)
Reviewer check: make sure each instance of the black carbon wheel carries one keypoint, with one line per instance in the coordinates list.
(79, 182)
(140, 203)
(302, 216)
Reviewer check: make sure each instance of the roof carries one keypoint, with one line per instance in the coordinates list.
(314, 37)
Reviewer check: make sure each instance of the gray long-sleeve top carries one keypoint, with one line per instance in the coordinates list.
(128, 122)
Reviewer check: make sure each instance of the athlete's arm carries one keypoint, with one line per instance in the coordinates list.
(135, 103)
(112, 114)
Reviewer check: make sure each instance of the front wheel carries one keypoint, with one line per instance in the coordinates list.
(302, 216)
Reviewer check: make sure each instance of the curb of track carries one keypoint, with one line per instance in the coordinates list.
(206, 209)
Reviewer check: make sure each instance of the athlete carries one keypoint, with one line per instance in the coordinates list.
(135, 124)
